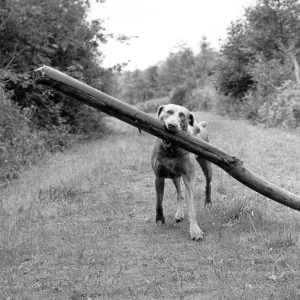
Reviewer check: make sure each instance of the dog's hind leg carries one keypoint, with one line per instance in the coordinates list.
(159, 187)
(180, 210)
(207, 170)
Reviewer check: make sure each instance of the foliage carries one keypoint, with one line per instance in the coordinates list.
(181, 94)
(259, 67)
(38, 119)
(55, 33)
(203, 99)
(18, 146)
(177, 76)
(178, 68)
(269, 30)
(205, 64)
(227, 106)
(269, 74)
(151, 106)
(233, 77)
(21, 144)
(283, 108)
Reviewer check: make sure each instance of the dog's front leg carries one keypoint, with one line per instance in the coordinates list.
(195, 231)
(180, 211)
(159, 187)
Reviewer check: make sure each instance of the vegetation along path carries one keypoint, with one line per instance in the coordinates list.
(82, 225)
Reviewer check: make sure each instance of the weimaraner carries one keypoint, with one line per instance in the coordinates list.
(170, 161)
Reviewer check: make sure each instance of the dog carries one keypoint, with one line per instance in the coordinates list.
(170, 161)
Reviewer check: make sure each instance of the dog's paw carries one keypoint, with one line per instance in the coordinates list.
(208, 205)
(160, 220)
(178, 220)
(179, 216)
(159, 223)
(196, 233)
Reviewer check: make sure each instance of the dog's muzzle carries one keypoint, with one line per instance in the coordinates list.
(174, 127)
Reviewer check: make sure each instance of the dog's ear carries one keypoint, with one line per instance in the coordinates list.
(191, 119)
(159, 111)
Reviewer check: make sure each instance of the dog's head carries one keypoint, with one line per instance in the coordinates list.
(175, 117)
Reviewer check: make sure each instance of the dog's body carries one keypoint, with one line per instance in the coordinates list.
(169, 161)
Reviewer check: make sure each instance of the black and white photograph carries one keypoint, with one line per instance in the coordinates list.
(149, 149)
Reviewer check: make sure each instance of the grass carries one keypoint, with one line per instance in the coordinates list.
(82, 225)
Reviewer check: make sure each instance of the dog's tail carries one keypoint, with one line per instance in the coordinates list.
(203, 124)
(197, 127)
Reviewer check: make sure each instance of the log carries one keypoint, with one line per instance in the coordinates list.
(233, 166)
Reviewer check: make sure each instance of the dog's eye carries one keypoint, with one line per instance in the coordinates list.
(170, 112)
(181, 115)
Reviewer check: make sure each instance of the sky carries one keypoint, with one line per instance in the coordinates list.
(161, 25)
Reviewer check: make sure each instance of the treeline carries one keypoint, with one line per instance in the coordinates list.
(255, 75)
(34, 119)
(259, 64)
(182, 71)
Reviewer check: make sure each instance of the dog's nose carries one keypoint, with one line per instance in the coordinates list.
(171, 126)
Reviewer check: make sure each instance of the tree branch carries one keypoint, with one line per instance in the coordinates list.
(133, 116)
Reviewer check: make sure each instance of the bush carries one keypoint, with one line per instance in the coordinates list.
(21, 144)
(91, 123)
(269, 74)
(282, 108)
(226, 106)
(233, 78)
(18, 146)
(151, 106)
(271, 101)
(202, 99)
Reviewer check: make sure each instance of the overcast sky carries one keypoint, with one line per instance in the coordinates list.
(162, 24)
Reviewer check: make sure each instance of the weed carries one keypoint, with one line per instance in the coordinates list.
(62, 193)
(238, 210)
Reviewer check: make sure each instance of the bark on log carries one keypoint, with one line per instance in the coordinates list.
(135, 117)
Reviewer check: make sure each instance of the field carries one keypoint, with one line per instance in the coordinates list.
(82, 224)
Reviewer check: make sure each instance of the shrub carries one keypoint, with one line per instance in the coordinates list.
(151, 106)
(269, 74)
(18, 146)
(282, 108)
(226, 106)
(271, 101)
(202, 99)
(21, 144)
(91, 122)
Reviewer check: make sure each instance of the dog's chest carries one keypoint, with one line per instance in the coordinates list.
(170, 167)
(173, 162)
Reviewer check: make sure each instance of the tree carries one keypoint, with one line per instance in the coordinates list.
(205, 63)
(271, 30)
(176, 76)
(37, 32)
(178, 68)
(152, 77)
(281, 40)
(233, 77)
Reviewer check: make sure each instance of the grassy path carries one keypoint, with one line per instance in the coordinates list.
(81, 226)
